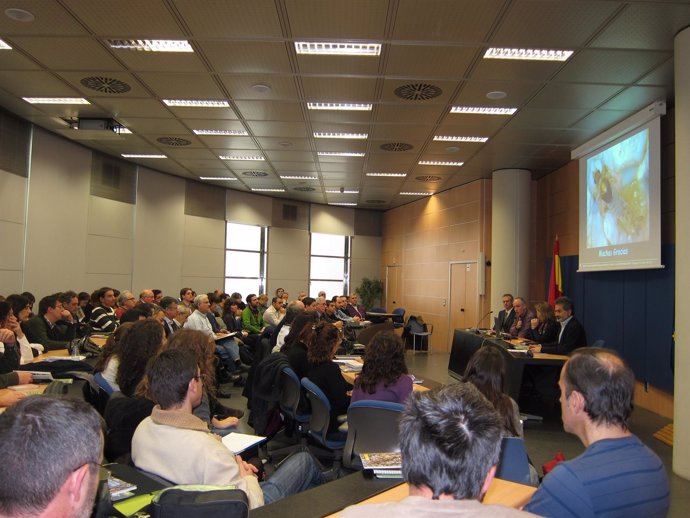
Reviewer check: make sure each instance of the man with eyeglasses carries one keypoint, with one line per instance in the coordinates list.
(175, 444)
(50, 451)
(52, 327)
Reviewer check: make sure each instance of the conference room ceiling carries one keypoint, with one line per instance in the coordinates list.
(431, 59)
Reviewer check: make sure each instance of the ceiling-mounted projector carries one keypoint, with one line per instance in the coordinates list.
(97, 124)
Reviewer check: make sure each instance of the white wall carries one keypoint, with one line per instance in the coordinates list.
(365, 259)
(288, 261)
(12, 227)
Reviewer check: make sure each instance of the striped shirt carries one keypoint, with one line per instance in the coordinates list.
(612, 478)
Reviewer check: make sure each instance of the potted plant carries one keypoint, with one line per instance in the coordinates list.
(370, 291)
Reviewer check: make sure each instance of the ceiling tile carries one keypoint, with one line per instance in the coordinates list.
(246, 57)
(335, 19)
(239, 18)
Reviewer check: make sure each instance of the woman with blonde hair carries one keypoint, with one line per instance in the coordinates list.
(543, 329)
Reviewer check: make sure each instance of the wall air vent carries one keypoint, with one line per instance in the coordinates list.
(396, 146)
(106, 85)
(418, 91)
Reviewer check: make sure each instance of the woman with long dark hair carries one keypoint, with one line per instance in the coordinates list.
(486, 370)
(297, 343)
(384, 374)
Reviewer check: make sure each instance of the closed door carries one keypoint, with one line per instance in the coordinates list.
(463, 306)
(393, 287)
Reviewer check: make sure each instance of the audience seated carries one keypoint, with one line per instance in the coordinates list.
(176, 445)
(184, 308)
(616, 475)
(146, 296)
(296, 342)
(450, 441)
(10, 357)
(325, 373)
(126, 409)
(275, 313)
(14, 342)
(103, 318)
(384, 375)
(294, 308)
(125, 301)
(108, 362)
(52, 327)
(252, 321)
(50, 452)
(353, 309)
(170, 323)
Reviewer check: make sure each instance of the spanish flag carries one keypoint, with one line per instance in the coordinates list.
(555, 281)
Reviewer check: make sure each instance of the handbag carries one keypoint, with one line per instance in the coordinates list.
(199, 501)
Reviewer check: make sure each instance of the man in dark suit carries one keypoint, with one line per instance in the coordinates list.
(169, 307)
(52, 327)
(505, 318)
(571, 335)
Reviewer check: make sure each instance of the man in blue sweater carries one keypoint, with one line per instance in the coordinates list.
(616, 475)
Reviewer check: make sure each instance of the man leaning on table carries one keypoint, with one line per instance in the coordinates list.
(616, 475)
(571, 334)
(450, 440)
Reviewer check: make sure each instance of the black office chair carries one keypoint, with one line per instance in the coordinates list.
(513, 463)
(374, 319)
(399, 318)
(320, 420)
(372, 427)
(296, 417)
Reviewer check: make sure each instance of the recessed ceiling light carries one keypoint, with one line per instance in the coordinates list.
(344, 204)
(246, 158)
(263, 189)
(436, 162)
(339, 153)
(319, 134)
(4, 45)
(416, 193)
(528, 54)
(450, 138)
(397, 175)
(261, 88)
(19, 15)
(238, 133)
(219, 178)
(496, 95)
(482, 110)
(130, 155)
(56, 100)
(340, 106)
(196, 103)
(338, 191)
(298, 177)
(341, 49)
(151, 45)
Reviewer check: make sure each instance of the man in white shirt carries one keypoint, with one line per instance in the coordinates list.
(274, 314)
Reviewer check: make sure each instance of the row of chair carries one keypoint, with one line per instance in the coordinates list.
(372, 426)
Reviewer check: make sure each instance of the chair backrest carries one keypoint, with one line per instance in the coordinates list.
(415, 324)
(599, 343)
(399, 316)
(513, 463)
(320, 410)
(290, 395)
(101, 382)
(372, 427)
(365, 336)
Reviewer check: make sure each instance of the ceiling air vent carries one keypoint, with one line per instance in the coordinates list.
(428, 178)
(418, 91)
(107, 85)
(304, 189)
(255, 174)
(174, 141)
(375, 202)
(396, 146)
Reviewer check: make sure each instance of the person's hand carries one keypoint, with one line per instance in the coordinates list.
(7, 336)
(245, 333)
(66, 315)
(534, 323)
(356, 319)
(535, 348)
(245, 468)
(9, 397)
(25, 377)
(518, 323)
(228, 422)
(339, 324)
(13, 325)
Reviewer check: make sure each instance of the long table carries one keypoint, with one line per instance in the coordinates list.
(466, 343)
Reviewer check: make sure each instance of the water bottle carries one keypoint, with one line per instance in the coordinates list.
(74, 349)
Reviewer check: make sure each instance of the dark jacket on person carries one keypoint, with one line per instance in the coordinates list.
(55, 338)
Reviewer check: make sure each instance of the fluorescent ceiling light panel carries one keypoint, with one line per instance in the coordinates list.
(219, 178)
(126, 155)
(416, 193)
(436, 162)
(482, 110)
(121, 130)
(236, 133)
(191, 103)
(299, 177)
(449, 138)
(338, 191)
(339, 49)
(262, 189)
(152, 45)
(361, 107)
(528, 54)
(344, 204)
(56, 100)
(241, 157)
(361, 136)
(339, 153)
(4, 45)
(397, 175)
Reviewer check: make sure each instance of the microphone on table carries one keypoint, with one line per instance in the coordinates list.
(476, 328)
